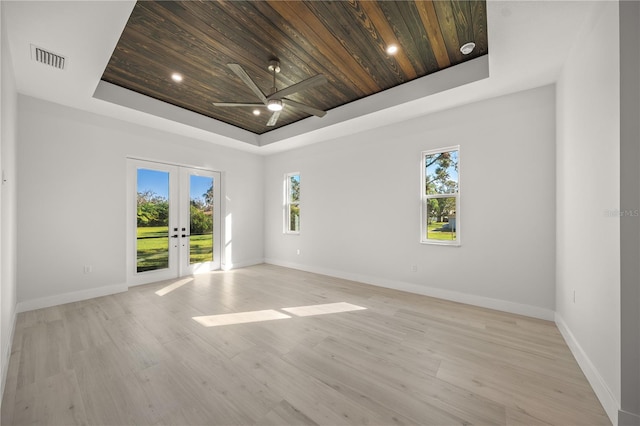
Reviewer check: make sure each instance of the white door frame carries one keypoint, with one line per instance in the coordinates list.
(178, 219)
(185, 268)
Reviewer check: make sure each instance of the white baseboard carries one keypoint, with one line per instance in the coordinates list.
(454, 296)
(604, 394)
(74, 296)
(229, 266)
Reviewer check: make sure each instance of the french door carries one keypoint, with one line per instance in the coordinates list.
(174, 221)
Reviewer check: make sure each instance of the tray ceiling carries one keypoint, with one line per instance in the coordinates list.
(346, 41)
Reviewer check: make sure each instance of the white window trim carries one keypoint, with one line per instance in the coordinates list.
(424, 198)
(287, 203)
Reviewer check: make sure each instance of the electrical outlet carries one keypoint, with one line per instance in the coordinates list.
(298, 251)
(88, 269)
(414, 268)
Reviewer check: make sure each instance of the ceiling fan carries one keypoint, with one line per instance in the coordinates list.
(276, 100)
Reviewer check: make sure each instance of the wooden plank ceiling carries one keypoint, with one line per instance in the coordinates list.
(345, 41)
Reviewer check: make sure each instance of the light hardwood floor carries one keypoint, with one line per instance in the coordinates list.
(139, 358)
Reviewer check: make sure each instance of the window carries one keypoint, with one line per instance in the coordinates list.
(292, 204)
(440, 183)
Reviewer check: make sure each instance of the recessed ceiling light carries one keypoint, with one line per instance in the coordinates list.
(176, 77)
(467, 48)
(256, 112)
(392, 49)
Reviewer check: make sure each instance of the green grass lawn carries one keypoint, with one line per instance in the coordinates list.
(433, 232)
(201, 248)
(153, 248)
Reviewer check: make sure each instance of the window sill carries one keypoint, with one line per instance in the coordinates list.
(440, 243)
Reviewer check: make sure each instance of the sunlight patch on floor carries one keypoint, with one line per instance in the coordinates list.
(272, 314)
(240, 318)
(328, 308)
(168, 289)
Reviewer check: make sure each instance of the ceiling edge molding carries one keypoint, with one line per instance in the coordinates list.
(127, 98)
(450, 78)
(467, 72)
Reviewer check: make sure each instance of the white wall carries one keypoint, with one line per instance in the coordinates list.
(8, 124)
(72, 195)
(588, 184)
(360, 205)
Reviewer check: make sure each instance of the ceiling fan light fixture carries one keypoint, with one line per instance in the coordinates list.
(467, 48)
(274, 105)
(276, 99)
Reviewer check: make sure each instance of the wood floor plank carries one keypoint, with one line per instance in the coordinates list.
(385, 369)
(11, 384)
(286, 414)
(118, 401)
(217, 375)
(513, 390)
(475, 351)
(317, 400)
(458, 401)
(54, 400)
(140, 358)
(393, 400)
(84, 328)
(44, 350)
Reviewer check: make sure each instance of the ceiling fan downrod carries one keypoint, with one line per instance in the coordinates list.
(274, 67)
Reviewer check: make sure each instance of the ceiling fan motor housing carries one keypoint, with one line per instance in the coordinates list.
(274, 66)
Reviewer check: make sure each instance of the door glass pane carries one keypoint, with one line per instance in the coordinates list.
(201, 219)
(152, 242)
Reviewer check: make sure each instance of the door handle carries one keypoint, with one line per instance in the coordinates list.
(183, 235)
(174, 236)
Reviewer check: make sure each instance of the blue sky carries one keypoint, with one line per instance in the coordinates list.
(453, 173)
(155, 181)
(199, 185)
(158, 182)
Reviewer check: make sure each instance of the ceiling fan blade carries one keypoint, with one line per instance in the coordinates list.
(305, 108)
(237, 104)
(240, 72)
(304, 84)
(273, 119)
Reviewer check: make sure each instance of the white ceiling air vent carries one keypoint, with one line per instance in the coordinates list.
(43, 56)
